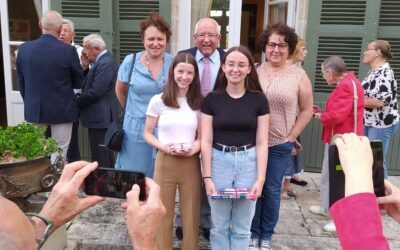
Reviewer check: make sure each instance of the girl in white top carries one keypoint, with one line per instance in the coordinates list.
(175, 113)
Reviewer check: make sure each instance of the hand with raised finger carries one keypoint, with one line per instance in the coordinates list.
(63, 203)
(144, 218)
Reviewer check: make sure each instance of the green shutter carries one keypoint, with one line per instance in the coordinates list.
(344, 27)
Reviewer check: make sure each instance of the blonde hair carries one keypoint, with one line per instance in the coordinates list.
(384, 47)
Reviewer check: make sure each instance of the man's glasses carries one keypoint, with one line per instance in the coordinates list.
(209, 35)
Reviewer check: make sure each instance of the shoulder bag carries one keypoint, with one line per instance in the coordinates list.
(115, 134)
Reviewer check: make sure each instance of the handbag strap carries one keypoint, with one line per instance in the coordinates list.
(127, 90)
(355, 96)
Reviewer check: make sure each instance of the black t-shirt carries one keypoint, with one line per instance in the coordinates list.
(235, 120)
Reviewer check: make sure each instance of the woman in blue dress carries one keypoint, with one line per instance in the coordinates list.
(148, 78)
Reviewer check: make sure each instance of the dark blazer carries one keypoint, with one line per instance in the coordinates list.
(98, 102)
(48, 71)
(194, 49)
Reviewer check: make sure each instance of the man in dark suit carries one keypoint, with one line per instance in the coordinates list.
(98, 102)
(207, 37)
(48, 71)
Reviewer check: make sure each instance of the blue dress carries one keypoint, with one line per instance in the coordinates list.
(136, 154)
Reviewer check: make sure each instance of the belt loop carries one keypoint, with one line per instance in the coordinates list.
(223, 148)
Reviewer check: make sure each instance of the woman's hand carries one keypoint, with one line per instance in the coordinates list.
(390, 204)
(210, 188)
(257, 189)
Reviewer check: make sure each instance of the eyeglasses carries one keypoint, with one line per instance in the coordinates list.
(367, 49)
(239, 66)
(209, 35)
(281, 46)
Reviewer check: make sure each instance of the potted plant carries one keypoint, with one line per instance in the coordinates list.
(25, 166)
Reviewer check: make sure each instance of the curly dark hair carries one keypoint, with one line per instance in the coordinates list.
(154, 19)
(251, 82)
(281, 29)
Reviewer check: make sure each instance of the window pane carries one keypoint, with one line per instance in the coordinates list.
(23, 20)
(277, 13)
(13, 56)
(222, 8)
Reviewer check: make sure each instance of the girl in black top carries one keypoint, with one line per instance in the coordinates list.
(234, 147)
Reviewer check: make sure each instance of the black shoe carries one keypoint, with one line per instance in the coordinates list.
(179, 233)
(300, 183)
(206, 233)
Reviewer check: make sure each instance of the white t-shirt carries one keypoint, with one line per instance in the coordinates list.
(175, 125)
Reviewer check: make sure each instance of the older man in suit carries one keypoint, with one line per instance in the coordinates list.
(98, 102)
(207, 36)
(48, 71)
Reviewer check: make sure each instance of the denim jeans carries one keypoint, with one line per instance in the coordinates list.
(267, 208)
(231, 219)
(384, 135)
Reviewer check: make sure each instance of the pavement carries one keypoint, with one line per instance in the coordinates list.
(103, 226)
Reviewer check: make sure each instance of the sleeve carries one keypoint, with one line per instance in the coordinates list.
(339, 106)
(103, 82)
(123, 72)
(263, 105)
(358, 222)
(207, 105)
(75, 69)
(155, 105)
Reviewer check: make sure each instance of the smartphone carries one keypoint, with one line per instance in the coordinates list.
(337, 178)
(115, 183)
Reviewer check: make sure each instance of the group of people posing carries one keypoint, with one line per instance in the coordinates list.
(207, 120)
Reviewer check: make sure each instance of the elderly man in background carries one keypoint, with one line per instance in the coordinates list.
(207, 36)
(67, 35)
(48, 71)
(98, 103)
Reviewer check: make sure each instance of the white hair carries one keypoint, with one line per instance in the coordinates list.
(217, 26)
(51, 21)
(94, 40)
(70, 23)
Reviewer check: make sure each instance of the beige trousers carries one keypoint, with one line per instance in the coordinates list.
(182, 172)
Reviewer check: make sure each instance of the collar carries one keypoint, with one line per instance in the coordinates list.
(102, 53)
(213, 58)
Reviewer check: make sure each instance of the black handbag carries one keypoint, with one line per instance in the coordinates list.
(115, 134)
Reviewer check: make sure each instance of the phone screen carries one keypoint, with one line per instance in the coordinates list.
(115, 183)
(337, 178)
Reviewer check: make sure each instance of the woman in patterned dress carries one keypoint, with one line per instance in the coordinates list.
(381, 117)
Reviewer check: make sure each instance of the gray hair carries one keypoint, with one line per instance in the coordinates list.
(217, 26)
(94, 40)
(51, 21)
(335, 64)
(70, 23)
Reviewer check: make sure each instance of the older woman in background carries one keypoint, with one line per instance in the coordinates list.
(295, 167)
(289, 92)
(150, 72)
(338, 118)
(380, 90)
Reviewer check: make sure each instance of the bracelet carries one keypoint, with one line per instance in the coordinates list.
(261, 178)
(47, 231)
(206, 177)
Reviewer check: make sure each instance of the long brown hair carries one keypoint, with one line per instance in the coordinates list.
(193, 96)
(251, 82)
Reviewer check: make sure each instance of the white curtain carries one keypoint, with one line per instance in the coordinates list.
(200, 9)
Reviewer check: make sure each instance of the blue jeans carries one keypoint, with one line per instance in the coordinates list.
(231, 219)
(384, 135)
(267, 208)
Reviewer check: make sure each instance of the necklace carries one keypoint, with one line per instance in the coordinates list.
(151, 73)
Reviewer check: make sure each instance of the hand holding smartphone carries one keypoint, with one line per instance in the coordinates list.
(114, 183)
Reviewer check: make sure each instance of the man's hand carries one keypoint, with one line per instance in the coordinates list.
(63, 203)
(144, 218)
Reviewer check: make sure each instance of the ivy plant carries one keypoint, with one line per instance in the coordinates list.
(25, 141)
